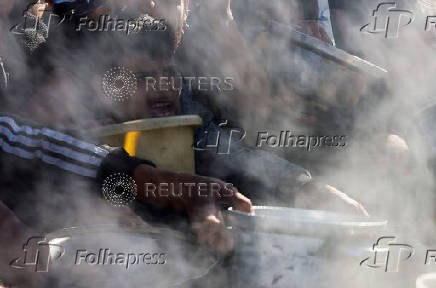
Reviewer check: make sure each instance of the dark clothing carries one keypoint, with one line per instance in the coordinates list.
(49, 176)
(340, 4)
(45, 174)
(263, 177)
(4, 75)
(310, 9)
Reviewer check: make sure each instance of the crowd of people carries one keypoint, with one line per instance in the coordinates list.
(50, 79)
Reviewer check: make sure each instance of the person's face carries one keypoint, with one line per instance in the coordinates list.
(158, 89)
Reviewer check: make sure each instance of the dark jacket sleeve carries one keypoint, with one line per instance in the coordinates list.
(340, 4)
(260, 175)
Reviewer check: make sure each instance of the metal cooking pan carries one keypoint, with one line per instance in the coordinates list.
(284, 247)
(73, 265)
(313, 223)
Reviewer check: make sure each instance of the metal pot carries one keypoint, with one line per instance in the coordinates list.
(316, 70)
(98, 256)
(284, 247)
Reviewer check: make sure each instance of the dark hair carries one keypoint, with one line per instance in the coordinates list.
(99, 49)
(85, 54)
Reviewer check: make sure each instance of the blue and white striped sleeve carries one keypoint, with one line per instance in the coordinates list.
(29, 141)
(35, 142)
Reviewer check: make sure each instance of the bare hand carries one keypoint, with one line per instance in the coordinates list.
(202, 198)
(326, 197)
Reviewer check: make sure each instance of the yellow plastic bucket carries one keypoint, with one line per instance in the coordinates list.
(168, 141)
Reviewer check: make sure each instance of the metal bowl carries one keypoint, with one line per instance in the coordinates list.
(316, 70)
(314, 223)
(284, 247)
(81, 257)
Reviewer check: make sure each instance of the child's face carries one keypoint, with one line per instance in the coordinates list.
(157, 93)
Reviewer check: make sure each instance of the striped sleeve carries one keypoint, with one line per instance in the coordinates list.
(32, 142)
